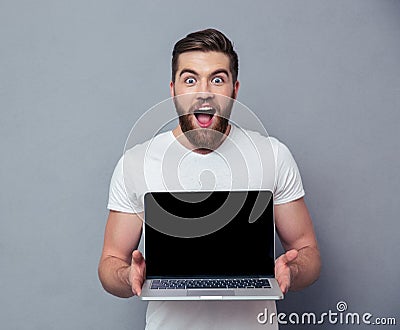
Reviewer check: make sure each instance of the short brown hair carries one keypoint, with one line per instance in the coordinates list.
(206, 41)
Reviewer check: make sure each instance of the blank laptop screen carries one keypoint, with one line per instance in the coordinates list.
(209, 234)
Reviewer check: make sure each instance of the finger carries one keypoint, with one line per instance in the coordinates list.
(138, 270)
(284, 288)
(282, 269)
(137, 287)
(136, 282)
(284, 283)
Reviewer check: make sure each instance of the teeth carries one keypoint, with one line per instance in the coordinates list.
(205, 108)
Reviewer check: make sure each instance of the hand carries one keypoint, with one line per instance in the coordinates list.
(137, 272)
(283, 273)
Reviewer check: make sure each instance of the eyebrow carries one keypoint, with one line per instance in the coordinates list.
(188, 71)
(219, 71)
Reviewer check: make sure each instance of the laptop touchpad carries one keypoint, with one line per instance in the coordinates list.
(197, 292)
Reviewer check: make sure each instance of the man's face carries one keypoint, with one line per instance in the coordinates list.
(204, 93)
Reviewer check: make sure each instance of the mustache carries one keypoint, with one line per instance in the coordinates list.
(204, 103)
(195, 108)
(220, 106)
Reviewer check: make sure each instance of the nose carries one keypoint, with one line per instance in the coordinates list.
(204, 90)
(204, 97)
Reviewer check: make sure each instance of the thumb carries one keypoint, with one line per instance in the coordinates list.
(291, 255)
(137, 257)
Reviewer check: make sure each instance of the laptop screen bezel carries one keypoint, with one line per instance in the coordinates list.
(261, 275)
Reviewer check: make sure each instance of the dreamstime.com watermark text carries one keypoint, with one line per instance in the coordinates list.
(339, 316)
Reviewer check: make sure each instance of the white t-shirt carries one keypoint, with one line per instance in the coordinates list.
(245, 160)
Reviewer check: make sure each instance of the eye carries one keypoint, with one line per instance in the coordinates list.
(190, 81)
(217, 81)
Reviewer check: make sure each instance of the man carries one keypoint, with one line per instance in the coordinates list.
(205, 63)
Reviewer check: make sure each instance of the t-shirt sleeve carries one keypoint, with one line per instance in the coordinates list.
(288, 184)
(118, 199)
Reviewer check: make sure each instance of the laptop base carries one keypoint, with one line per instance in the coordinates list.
(273, 293)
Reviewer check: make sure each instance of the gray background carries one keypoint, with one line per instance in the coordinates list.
(323, 76)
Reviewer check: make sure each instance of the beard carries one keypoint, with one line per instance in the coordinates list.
(204, 138)
(209, 138)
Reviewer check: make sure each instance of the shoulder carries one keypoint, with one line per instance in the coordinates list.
(132, 161)
(262, 140)
(153, 145)
(157, 140)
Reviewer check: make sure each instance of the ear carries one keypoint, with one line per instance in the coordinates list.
(236, 89)
(171, 89)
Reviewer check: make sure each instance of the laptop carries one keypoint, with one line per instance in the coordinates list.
(209, 245)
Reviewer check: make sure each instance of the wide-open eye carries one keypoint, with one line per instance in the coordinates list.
(217, 80)
(190, 81)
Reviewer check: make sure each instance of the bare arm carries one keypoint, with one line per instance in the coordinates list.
(300, 266)
(122, 268)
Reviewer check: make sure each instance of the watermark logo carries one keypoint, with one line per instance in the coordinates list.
(341, 306)
(339, 316)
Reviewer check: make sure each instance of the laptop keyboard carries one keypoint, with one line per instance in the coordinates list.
(253, 283)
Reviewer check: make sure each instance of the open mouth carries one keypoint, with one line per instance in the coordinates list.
(204, 116)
